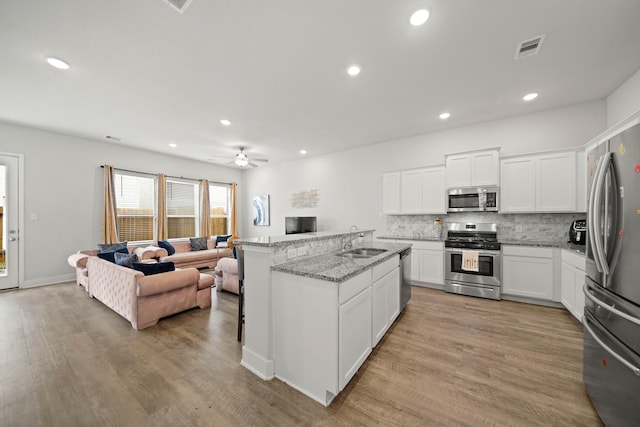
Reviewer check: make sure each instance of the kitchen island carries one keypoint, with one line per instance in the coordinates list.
(312, 321)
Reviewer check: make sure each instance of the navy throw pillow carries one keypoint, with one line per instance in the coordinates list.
(125, 260)
(154, 268)
(198, 243)
(109, 247)
(110, 256)
(164, 244)
(221, 239)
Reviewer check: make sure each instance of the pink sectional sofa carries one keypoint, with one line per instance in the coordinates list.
(185, 257)
(143, 300)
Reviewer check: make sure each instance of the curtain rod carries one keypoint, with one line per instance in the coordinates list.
(168, 176)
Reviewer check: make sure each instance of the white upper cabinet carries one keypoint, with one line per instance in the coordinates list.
(518, 189)
(418, 191)
(472, 169)
(485, 168)
(539, 183)
(391, 193)
(433, 191)
(411, 192)
(556, 179)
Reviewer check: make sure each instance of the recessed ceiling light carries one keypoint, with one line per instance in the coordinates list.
(172, 145)
(303, 151)
(445, 116)
(530, 96)
(419, 17)
(353, 69)
(58, 63)
(225, 122)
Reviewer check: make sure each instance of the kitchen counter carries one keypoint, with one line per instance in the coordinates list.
(415, 238)
(550, 244)
(275, 241)
(334, 268)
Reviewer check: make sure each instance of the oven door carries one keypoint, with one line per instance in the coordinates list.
(488, 267)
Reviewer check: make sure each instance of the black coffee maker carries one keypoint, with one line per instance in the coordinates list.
(578, 232)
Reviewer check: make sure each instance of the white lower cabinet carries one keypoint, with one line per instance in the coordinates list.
(427, 261)
(385, 303)
(572, 281)
(528, 272)
(354, 343)
(323, 331)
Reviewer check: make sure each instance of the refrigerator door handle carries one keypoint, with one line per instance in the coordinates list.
(618, 221)
(598, 189)
(598, 302)
(609, 350)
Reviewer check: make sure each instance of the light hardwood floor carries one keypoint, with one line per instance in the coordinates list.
(67, 360)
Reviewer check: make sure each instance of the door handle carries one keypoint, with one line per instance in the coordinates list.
(612, 309)
(601, 261)
(13, 239)
(609, 350)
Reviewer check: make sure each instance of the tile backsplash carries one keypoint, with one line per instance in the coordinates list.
(535, 227)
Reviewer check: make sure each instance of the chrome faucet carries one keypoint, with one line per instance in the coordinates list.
(350, 240)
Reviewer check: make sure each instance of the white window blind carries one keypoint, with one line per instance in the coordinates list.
(182, 209)
(135, 206)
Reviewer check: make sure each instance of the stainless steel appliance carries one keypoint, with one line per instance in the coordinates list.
(611, 362)
(578, 232)
(473, 199)
(405, 277)
(473, 242)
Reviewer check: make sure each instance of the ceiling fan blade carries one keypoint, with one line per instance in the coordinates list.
(259, 160)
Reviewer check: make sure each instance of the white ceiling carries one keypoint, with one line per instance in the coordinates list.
(151, 76)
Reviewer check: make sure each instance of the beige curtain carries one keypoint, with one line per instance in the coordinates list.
(109, 221)
(162, 226)
(205, 209)
(234, 213)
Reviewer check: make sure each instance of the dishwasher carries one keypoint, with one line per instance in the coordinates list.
(405, 278)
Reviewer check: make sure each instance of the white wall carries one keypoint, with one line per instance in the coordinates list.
(63, 186)
(624, 101)
(350, 182)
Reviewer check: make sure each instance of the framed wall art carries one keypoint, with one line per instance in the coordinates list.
(261, 210)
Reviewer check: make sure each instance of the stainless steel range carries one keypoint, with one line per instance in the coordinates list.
(472, 260)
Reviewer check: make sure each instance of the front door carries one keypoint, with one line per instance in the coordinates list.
(9, 215)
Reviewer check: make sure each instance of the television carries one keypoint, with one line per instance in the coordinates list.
(300, 224)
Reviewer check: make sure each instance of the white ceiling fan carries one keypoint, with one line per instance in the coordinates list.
(241, 159)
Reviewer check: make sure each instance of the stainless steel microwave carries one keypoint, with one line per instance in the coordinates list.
(473, 199)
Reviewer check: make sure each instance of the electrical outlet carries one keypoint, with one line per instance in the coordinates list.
(291, 253)
(518, 228)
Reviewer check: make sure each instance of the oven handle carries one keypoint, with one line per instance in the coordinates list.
(480, 252)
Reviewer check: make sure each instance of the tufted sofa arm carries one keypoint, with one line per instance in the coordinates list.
(78, 260)
(166, 282)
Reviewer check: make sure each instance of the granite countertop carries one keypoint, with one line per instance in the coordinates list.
(333, 268)
(272, 241)
(412, 237)
(550, 244)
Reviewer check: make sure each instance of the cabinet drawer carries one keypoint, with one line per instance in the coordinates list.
(354, 286)
(573, 258)
(384, 267)
(527, 251)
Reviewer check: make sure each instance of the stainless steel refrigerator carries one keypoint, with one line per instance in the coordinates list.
(611, 362)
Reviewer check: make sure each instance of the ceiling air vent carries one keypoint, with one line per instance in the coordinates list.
(529, 47)
(179, 5)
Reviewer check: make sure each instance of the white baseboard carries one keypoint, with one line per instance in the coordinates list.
(34, 283)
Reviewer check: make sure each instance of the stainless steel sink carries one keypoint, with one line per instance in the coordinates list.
(362, 253)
